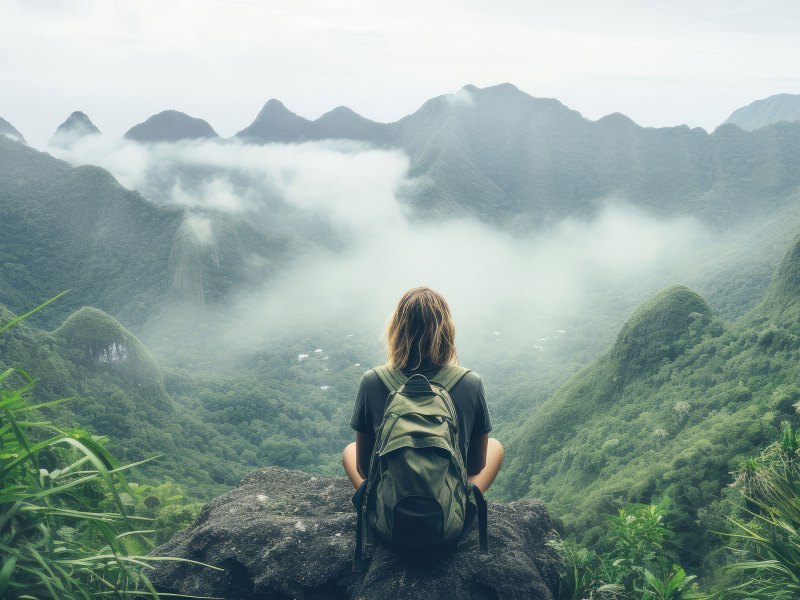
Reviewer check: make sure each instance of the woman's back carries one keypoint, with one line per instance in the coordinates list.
(420, 338)
(467, 395)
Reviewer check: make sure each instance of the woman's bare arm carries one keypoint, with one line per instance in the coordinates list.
(365, 440)
(476, 458)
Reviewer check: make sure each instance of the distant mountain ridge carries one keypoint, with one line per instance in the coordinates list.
(509, 158)
(171, 126)
(764, 112)
(276, 123)
(495, 154)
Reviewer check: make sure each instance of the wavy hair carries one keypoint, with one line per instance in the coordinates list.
(421, 332)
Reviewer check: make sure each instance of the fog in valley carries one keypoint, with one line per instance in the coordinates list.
(363, 247)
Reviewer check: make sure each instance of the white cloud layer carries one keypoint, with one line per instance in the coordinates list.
(494, 280)
(490, 278)
(349, 183)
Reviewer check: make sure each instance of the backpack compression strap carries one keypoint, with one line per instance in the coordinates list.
(392, 378)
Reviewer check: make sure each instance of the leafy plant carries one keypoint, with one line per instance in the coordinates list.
(771, 538)
(585, 574)
(669, 588)
(639, 534)
(638, 567)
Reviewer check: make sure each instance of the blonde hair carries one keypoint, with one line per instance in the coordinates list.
(421, 330)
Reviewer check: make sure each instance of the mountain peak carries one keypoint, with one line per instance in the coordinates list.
(344, 123)
(651, 334)
(8, 130)
(78, 122)
(616, 118)
(275, 109)
(276, 123)
(170, 126)
(341, 111)
(274, 104)
(508, 88)
(342, 115)
(77, 125)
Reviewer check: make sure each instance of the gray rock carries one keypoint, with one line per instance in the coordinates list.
(285, 534)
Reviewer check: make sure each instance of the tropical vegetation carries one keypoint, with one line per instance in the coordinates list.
(71, 526)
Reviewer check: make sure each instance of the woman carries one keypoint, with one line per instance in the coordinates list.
(420, 338)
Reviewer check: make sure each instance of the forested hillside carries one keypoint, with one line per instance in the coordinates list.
(79, 229)
(212, 427)
(666, 414)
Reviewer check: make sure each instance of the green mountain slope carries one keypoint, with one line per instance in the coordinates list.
(669, 410)
(78, 228)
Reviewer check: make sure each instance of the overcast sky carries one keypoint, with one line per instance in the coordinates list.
(659, 62)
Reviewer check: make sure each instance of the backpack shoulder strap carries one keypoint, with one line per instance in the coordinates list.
(392, 378)
(449, 376)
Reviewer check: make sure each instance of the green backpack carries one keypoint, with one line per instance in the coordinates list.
(416, 492)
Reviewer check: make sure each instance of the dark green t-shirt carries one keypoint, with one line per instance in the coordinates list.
(467, 395)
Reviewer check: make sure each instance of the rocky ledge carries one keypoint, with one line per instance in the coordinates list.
(285, 534)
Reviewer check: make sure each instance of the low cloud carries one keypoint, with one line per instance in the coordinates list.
(215, 194)
(522, 286)
(349, 183)
(200, 228)
(492, 280)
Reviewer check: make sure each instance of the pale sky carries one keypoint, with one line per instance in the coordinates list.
(120, 61)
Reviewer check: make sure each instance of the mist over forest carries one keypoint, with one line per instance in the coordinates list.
(365, 245)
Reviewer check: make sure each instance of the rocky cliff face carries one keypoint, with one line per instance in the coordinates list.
(285, 534)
